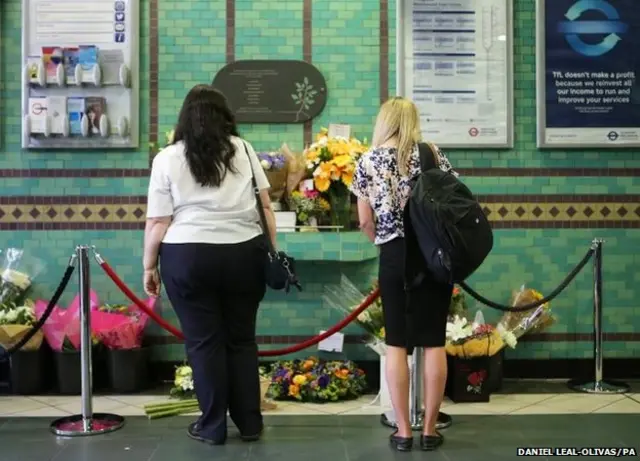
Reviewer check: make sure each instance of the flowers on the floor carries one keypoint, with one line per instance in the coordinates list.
(166, 409)
(513, 325)
(468, 340)
(316, 381)
(120, 326)
(308, 204)
(183, 387)
(62, 329)
(346, 298)
(15, 322)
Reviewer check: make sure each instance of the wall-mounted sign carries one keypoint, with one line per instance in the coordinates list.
(264, 91)
(587, 68)
(454, 60)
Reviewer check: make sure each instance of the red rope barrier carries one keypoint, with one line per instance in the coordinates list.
(288, 350)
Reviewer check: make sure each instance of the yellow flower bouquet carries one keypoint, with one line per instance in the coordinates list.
(331, 162)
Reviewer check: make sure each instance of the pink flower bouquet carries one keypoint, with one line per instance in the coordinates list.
(63, 326)
(120, 326)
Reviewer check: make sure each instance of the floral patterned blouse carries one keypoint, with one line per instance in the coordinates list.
(377, 181)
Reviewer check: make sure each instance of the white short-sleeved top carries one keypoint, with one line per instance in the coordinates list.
(218, 215)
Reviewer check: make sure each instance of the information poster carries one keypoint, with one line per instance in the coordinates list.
(587, 66)
(456, 65)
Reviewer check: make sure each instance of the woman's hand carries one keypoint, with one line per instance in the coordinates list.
(151, 281)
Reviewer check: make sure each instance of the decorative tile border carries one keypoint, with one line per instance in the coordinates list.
(481, 172)
(162, 340)
(505, 212)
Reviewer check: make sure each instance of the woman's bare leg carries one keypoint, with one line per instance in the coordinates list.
(397, 371)
(435, 378)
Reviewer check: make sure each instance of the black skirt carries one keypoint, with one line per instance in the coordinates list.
(412, 319)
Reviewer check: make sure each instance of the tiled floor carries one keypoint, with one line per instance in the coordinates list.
(340, 431)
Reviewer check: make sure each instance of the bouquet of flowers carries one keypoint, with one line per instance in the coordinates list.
(62, 329)
(120, 326)
(312, 380)
(470, 340)
(155, 147)
(15, 322)
(458, 304)
(308, 204)
(275, 165)
(331, 163)
(16, 275)
(345, 298)
(514, 325)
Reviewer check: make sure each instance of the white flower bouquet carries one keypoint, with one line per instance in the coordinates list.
(17, 272)
(15, 322)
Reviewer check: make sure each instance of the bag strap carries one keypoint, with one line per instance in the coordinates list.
(428, 156)
(259, 205)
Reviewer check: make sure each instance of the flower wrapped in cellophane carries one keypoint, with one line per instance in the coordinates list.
(313, 380)
(15, 322)
(17, 272)
(275, 166)
(62, 328)
(513, 325)
(346, 298)
(120, 326)
(467, 339)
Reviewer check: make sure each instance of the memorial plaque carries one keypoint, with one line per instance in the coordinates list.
(265, 91)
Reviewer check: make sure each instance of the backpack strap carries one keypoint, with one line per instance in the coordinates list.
(427, 156)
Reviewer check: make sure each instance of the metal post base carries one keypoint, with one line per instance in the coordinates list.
(599, 387)
(77, 426)
(388, 419)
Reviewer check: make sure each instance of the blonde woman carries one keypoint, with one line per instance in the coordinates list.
(382, 184)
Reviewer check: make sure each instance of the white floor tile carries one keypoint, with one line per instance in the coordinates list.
(621, 406)
(13, 404)
(138, 400)
(100, 405)
(47, 412)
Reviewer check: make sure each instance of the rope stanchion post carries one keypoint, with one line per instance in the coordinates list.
(416, 410)
(88, 422)
(598, 385)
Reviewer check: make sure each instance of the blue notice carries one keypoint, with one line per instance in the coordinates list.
(592, 64)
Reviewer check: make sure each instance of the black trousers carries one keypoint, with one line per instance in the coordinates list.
(215, 291)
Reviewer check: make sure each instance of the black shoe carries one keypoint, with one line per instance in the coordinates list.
(192, 432)
(251, 438)
(431, 442)
(400, 443)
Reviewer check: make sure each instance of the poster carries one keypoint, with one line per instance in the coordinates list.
(587, 62)
(456, 65)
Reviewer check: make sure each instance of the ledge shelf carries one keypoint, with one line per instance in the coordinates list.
(327, 246)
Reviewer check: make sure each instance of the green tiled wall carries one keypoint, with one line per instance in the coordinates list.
(345, 38)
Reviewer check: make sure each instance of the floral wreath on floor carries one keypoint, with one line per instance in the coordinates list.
(313, 380)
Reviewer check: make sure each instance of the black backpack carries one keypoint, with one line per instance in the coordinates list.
(445, 223)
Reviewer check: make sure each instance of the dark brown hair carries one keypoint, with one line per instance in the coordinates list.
(205, 125)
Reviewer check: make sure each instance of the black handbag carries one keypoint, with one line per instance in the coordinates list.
(280, 270)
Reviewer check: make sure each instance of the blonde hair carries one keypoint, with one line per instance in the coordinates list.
(398, 119)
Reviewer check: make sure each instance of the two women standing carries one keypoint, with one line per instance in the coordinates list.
(203, 226)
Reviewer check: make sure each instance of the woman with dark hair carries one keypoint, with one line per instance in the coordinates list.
(203, 226)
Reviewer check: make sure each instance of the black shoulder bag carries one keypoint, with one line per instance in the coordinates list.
(280, 269)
